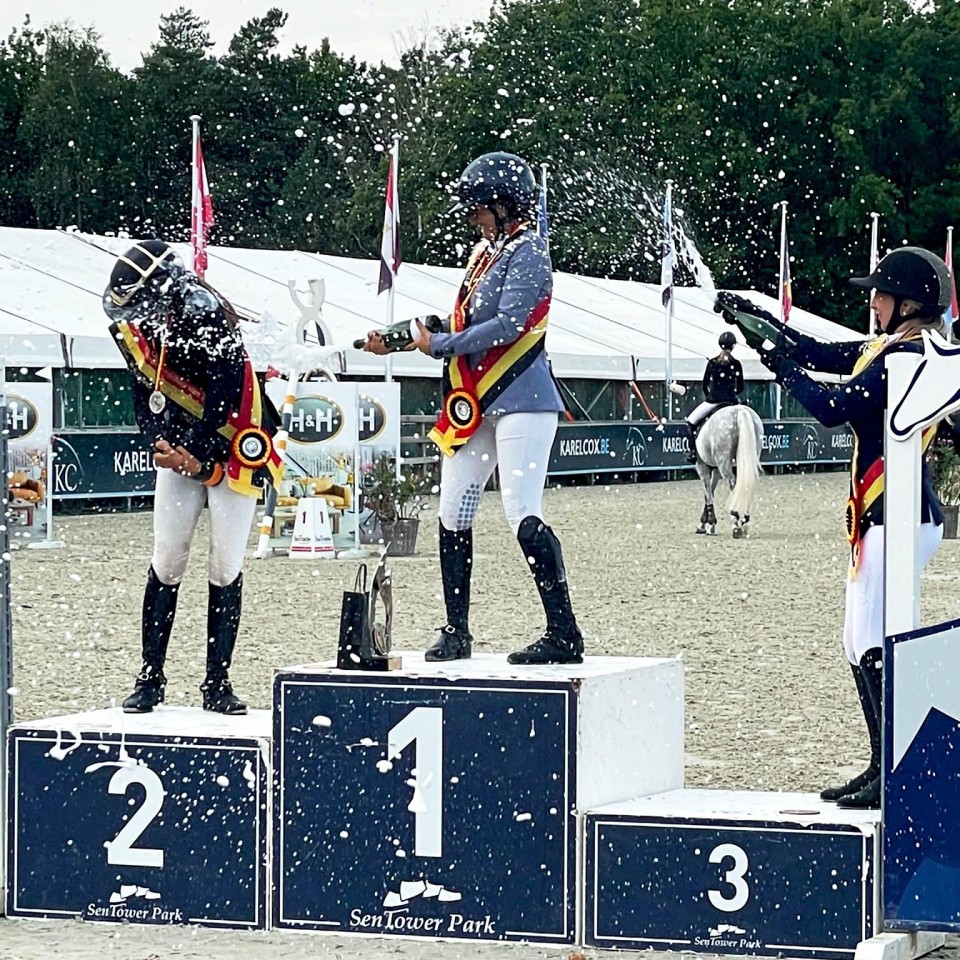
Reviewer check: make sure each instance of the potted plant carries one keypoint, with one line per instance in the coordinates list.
(396, 502)
(945, 473)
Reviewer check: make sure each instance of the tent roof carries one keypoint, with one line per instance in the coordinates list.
(51, 283)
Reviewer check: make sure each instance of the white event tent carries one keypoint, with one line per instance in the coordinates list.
(51, 283)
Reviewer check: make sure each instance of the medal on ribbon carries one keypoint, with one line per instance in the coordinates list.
(157, 402)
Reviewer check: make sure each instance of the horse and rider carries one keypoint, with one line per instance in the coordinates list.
(731, 436)
(722, 386)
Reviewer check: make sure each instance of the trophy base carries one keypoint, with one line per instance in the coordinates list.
(351, 660)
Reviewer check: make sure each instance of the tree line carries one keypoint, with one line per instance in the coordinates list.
(839, 107)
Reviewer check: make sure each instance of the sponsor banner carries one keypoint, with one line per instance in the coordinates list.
(90, 464)
(102, 465)
(612, 447)
(29, 420)
(334, 423)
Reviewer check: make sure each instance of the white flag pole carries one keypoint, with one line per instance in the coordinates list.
(668, 290)
(874, 260)
(543, 199)
(783, 255)
(395, 217)
(777, 389)
(48, 542)
(951, 337)
(196, 217)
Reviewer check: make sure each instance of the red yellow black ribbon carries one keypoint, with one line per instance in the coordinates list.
(242, 426)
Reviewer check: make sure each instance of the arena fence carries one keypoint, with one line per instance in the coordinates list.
(94, 464)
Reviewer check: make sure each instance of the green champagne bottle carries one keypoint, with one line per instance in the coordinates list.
(399, 336)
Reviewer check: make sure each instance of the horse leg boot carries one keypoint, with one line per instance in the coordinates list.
(873, 729)
(223, 622)
(871, 669)
(159, 608)
(456, 564)
(562, 642)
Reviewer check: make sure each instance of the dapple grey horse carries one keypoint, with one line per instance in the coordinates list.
(728, 448)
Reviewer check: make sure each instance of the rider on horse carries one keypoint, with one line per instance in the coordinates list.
(722, 385)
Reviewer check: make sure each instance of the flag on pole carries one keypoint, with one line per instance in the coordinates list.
(390, 242)
(543, 224)
(668, 251)
(201, 218)
(786, 288)
(952, 313)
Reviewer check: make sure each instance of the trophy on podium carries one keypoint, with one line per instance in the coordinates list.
(365, 643)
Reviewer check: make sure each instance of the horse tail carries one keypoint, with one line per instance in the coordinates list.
(748, 464)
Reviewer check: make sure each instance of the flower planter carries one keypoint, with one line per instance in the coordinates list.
(950, 517)
(400, 536)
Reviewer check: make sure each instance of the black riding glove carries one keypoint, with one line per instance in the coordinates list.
(755, 323)
(777, 359)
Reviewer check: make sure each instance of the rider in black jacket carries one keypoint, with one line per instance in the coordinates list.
(198, 402)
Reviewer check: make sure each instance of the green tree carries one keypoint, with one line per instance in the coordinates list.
(70, 128)
(21, 67)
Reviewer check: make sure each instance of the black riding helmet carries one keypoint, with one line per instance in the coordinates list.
(911, 273)
(727, 340)
(497, 178)
(140, 279)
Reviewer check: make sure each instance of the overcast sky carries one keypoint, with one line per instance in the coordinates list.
(366, 29)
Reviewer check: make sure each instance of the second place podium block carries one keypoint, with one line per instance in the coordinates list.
(157, 818)
(443, 800)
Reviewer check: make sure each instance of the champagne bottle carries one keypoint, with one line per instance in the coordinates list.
(399, 336)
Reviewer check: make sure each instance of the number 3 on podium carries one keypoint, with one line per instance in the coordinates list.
(734, 876)
(423, 726)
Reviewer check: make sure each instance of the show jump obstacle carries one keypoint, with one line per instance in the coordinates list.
(477, 801)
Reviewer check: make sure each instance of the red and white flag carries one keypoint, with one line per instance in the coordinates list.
(390, 242)
(786, 284)
(201, 218)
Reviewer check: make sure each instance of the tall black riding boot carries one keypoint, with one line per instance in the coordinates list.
(873, 729)
(692, 432)
(456, 564)
(562, 642)
(223, 622)
(159, 608)
(871, 670)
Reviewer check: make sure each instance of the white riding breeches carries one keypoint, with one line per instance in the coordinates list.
(177, 505)
(863, 616)
(520, 443)
(701, 412)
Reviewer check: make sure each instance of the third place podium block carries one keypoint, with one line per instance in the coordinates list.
(718, 871)
(154, 818)
(444, 800)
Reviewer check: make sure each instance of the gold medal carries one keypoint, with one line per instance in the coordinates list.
(157, 402)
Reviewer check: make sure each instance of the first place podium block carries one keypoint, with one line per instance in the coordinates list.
(154, 818)
(444, 801)
(721, 871)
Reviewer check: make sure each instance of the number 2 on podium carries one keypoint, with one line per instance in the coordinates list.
(423, 726)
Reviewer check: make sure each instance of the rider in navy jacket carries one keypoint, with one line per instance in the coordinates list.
(912, 289)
